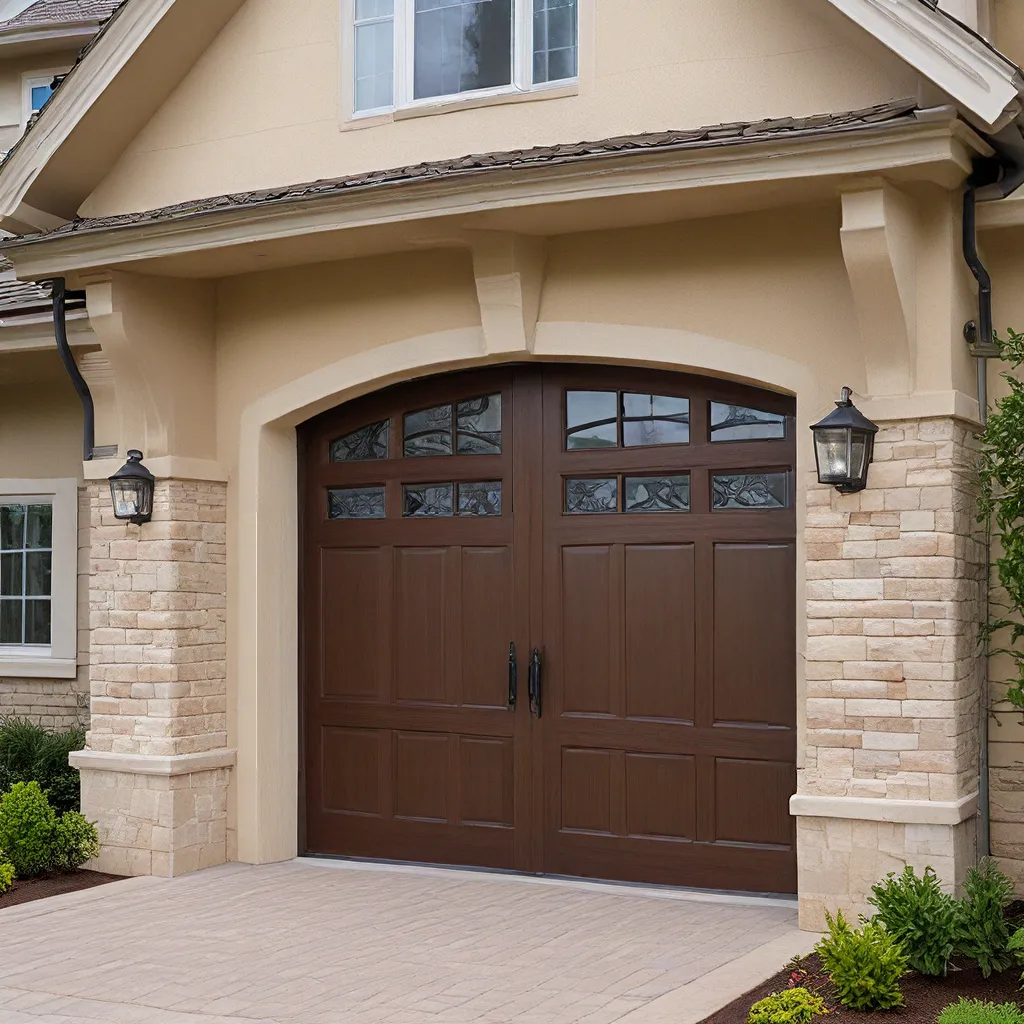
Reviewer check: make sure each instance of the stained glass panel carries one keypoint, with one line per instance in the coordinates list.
(753, 490)
(657, 494)
(590, 496)
(478, 423)
(427, 500)
(591, 419)
(356, 503)
(362, 445)
(738, 423)
(429, 432)
(654, 419)
(480, 499)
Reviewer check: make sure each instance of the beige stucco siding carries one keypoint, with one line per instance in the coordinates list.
(12, 73)
(263, 106)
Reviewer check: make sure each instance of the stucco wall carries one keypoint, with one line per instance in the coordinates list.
(12, 72)
(263, 106)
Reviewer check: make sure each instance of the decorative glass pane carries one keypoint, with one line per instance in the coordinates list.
(10, 575)
(355, 503)
(657, 494)
(10, 622)
(37, 573)
(655, 419)
(480, 499)
(754, 490)
(478, 422)
(37, 622)
(554, 40)
(429, 432)
(362, 445)
(12, 527)
(39, 528)
(738, 423)
(591, 419)
(583, 496)
(427, 500)
(461, 45)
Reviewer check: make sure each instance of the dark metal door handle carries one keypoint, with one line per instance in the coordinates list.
(513, 676)
(535, 684)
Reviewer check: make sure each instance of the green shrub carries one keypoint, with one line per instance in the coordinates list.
(865, 964)
(1016, 948)
(794, 1006)
(984, 931)
(973, 1011)
(27, 827)
(75, 841)
(28, 753)
(6, 873)
(923, 919)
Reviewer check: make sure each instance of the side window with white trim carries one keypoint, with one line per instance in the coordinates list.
(36, 88)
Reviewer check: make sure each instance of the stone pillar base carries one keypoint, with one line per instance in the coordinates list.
(162, 816)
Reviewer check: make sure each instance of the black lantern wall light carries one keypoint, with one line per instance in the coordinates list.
(131, 491)
(844, 443)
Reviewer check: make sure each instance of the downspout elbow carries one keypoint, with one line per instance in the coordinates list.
(60, 330)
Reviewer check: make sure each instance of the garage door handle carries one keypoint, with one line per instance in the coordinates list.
(535, 682)
(513, 676)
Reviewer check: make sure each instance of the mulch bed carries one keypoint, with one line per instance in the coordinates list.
(52, 885)
(924, 997)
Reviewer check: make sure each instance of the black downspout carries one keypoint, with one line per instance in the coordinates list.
(983, 329)
(60, 329)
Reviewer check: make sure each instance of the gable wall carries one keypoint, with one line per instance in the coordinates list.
(12, 71)
(1008, 28)
(262, 107)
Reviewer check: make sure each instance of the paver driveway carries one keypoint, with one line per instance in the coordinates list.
(301, 942)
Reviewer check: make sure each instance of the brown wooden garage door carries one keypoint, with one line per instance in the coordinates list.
(622, 539)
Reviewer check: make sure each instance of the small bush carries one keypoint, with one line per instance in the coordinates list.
(75, 841)
(973, 1011)
(923, 919)
(28, 753)
(794, 1006)
(865, 964)
(6, 873)
(984, 931)
(27, 826)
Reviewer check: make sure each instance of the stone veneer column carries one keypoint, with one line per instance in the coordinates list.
(894, 582)
(156, 769)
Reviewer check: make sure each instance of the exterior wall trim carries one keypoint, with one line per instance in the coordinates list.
(904, 812)
(151, 764)
(163, 467)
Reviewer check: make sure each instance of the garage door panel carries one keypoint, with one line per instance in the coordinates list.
(421, 599)
(752, 801)
(486, 603)
(587, 654)
(586, 790)
(659, 631)
(660, 797)
(486, 781)
(351, 770)
(421, 776)
(755, 634)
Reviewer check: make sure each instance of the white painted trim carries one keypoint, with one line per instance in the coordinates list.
(921, 406)
(163, 467)
(907, 812)
(151, 764)
(983, 82)
(37, 668)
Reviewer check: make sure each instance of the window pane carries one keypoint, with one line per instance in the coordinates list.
(12, 527)
(479, 426)
(375, 62)
(555, 34)
(10, 622)
(429, 432)
(588, 496)
(591, 418)
(39, 531)
(374, 9)
(754, 490)
(461, 45)
(480, 499)
(361, 445)
(37, 622)
(37, 573)
(655, 419)
(427, 500)
(356, 503)
(657, 494)
(738, 423)
(11, 575)
(40, 94)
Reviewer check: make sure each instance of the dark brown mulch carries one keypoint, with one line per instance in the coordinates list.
(924, 997)
(52, 885)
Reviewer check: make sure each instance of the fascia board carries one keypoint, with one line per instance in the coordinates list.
(962, 66)
(72, 34)
(945, 146)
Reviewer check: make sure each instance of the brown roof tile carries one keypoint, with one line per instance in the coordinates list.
(60, 12)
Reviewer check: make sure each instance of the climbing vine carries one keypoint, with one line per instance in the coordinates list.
(1001, 511)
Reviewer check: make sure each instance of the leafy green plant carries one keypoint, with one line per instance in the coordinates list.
(984, 931)
(30, 753)
(922, 918)
(794, 1006)
(974, 1011)
(6, 873)
(865, 964)
(1016, 948)
(27, 825)
(75, 841)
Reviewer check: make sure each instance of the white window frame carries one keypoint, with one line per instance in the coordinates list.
(29, 81)
(405, 56)
(60, 659)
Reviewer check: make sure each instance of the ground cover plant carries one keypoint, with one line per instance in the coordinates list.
(974, 1011)
(793, 1006)
(29, 753)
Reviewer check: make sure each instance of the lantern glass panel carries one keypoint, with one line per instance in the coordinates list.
(834, 455)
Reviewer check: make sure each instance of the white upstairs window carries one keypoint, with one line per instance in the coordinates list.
(418, 51)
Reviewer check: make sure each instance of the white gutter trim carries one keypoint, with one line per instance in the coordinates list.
(985, 84)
